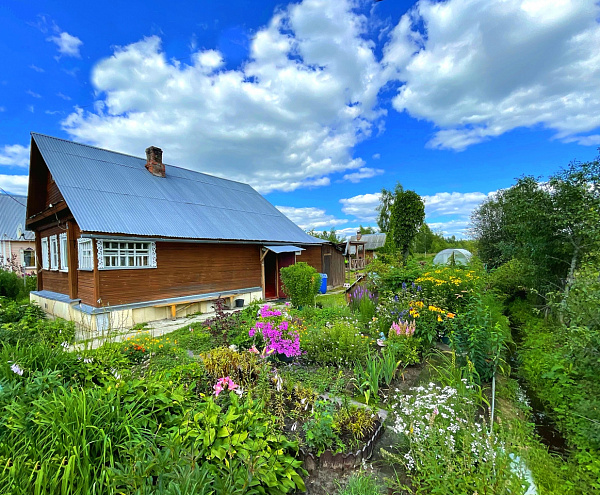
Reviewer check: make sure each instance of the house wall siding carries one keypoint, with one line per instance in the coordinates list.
(184, 269)
(312, 256)
(53, 280)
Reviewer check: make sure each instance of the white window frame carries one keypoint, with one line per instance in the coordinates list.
(85, 254)
(64, 252)
(116, 254)
(45, 255)
(53, 252)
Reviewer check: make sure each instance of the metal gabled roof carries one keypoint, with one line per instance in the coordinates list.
(12, 217)
(371, 242)
(113, 193)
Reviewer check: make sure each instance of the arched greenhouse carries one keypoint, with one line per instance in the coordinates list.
(460, 256)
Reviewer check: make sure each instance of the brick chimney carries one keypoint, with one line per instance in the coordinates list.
(154, 162)
(358, 235)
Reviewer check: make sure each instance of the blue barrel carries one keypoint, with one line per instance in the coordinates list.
(323, 289)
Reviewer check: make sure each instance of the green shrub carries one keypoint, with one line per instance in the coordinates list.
(241, 448)
(339, 343)
(301, 283)
(511, 279)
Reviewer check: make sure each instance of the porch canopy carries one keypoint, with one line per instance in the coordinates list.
(284, 249)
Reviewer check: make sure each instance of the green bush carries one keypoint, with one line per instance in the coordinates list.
(511, 279)
(27, 324)
(301, 283)
(339, 343)
(241, 448)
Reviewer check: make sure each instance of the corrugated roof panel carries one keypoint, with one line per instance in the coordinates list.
(12, 216)
(284, 249)
(114, 193)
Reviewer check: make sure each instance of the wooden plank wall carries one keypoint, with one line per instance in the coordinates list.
(53, 280)
(184, 269)
(337, 268)
(312, 256)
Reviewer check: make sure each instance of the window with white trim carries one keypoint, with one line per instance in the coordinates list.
(53, 252)
(45, 264)
(85, 253)
(64, 252)
(117, 254)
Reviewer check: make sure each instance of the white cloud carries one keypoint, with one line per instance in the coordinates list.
(288, 118)
(457, 228)
(480, 68)
(66, 43)
(36, 68)
(64, 97)
(454, 203)
(376, 156)
(33, 93)
(363, 173)
(31, 108)
(311, 218)
(362, 206)
(14, 155)
(14, 184)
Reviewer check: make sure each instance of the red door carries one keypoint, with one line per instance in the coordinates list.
(284, 259)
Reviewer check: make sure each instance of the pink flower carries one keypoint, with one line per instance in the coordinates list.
(253, 349)
(223, 383)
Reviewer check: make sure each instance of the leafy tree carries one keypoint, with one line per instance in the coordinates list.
(404, 214)
(366, 230)
(552, 226)
(385, 205)
(328, 236)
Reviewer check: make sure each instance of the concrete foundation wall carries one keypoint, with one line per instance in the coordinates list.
(120, 320)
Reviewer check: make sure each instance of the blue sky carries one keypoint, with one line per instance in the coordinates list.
(317, 104)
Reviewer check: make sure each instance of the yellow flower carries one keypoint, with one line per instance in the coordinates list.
(439, 318)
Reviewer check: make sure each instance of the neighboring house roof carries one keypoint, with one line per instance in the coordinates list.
(371, 242)
(12, 218)
(110, 192)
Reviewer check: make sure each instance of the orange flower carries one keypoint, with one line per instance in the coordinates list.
(450, 315)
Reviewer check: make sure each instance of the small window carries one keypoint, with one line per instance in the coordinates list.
(29, 258)
(115, 254)
(45, 264)
(64, 253)
(53, 252)
(85, 253)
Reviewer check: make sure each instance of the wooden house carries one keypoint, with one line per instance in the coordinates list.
(17, 245)
(123, 240)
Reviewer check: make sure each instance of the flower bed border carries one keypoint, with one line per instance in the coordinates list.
(341, 461)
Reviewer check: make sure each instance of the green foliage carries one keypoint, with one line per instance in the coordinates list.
(330, 236)
(511, 279)
(405, 349)
(321, 434)
(362, 484)
(244, 452)
(301, 283)
(14, 287)
(27, 324)
(480, 335)
(339, 343)
(549, 227)
(243, 368)
(402, 212)
(560, 363)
